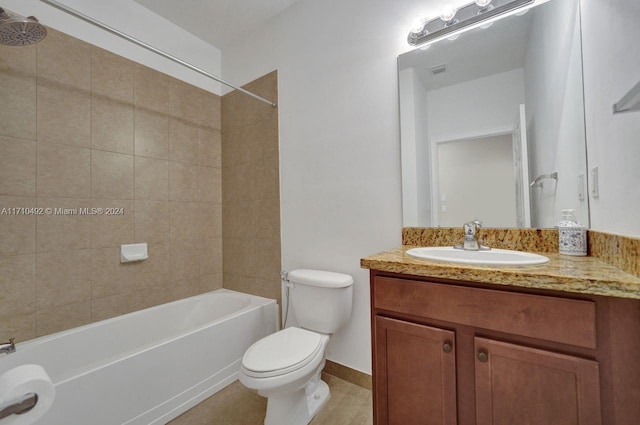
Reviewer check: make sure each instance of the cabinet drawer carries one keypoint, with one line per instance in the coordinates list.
(554, 319)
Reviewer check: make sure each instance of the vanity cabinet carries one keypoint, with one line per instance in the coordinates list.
(456, 352)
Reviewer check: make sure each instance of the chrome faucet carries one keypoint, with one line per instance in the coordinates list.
(8, 347)
(471, 241)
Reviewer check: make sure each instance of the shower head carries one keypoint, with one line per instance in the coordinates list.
(19, 31)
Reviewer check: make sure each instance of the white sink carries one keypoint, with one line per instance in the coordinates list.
(496, 257)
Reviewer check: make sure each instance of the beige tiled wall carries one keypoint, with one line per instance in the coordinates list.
(80, 128)
(251, 190)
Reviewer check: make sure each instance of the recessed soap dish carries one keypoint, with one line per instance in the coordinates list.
(133, 252)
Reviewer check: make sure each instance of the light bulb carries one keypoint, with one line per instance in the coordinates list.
(448, 12)
(484, 6)
(417, 25)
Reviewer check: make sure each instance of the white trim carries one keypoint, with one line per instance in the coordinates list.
(480, 134)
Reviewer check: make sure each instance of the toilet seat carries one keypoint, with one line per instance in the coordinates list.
(282, 352)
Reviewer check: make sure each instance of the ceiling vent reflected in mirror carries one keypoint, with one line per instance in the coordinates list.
(438, 69)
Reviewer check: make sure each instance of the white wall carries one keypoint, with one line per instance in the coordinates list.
(339, 138)
(407, 80)
(555, 115)
(133, 19)
(611, 31)
(416, 179)
(475, 107)
(423, 155)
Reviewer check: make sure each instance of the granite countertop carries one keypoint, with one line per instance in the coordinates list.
(583, 275)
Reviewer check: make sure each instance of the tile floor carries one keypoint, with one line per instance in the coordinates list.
(235, 405)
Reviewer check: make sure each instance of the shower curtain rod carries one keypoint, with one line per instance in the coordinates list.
(120, 34)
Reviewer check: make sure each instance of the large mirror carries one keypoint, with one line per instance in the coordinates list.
(492, 124)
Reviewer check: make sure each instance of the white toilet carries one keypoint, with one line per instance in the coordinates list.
(285, 366)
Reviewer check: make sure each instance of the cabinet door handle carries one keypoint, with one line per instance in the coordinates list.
(447, 347)
(483, 356)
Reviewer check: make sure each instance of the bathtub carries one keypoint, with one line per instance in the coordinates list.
(149, 366)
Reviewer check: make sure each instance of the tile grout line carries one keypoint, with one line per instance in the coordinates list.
(35, 238)
(91, 218)
(133, 159)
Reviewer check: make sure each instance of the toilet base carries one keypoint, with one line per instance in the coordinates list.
(297, 407)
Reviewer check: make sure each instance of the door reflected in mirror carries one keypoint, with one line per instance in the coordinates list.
(475, 178)
(484, 115)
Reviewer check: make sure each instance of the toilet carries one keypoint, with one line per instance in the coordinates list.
(285, 367)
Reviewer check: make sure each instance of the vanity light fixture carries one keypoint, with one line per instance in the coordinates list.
(452, 21)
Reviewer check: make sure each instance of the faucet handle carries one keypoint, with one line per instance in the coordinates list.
(475, 222)
(471, 241)
(472, 227)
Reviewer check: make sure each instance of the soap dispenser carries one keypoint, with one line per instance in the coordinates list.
(573, 235)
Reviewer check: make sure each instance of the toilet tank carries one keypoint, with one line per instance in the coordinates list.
(321, 300)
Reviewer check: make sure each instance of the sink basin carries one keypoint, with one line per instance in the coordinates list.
(496, 257)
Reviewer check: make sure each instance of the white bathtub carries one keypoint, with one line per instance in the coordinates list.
(149, 366)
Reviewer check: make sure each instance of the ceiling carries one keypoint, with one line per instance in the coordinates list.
(218, 22)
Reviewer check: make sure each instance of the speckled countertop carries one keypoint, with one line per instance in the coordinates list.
(585, 275)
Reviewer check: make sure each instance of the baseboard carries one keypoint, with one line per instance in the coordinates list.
(345, 373)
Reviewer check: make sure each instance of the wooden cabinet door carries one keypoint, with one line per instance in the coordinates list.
(526, 386)
(415, 378)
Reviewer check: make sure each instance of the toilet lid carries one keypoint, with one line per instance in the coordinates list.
(286, 350)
